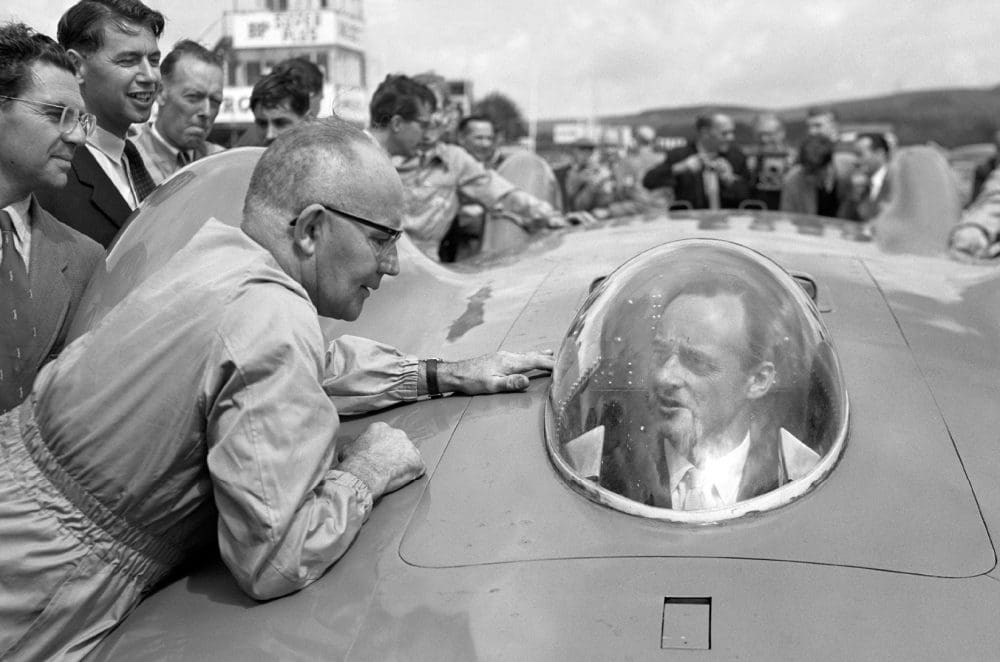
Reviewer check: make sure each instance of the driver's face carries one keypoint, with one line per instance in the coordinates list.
(698, 383)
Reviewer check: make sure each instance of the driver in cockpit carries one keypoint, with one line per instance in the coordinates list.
(713, 442)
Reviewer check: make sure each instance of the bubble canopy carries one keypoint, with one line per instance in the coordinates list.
(696, 384)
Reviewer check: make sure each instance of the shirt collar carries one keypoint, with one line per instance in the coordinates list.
(724, 473)
(19, 216)
(157, 136)
(877, 179)
(107, 143)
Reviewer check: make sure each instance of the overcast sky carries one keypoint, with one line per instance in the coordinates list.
(560, 58)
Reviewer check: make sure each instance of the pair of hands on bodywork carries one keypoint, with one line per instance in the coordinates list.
(385, 459)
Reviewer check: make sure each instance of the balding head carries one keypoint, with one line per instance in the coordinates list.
(308, 175)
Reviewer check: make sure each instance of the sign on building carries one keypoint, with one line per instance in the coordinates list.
(294, 28)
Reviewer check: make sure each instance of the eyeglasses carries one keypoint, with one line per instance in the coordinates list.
(382, 244)
(69, 117)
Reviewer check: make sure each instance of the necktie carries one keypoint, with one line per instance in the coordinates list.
(141, 179)
(699, 491)
(183, 159)
(16, 324)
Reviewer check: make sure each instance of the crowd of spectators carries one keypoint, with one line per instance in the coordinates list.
(81, 154)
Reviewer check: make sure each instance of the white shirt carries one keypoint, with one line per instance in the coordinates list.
(21, 221)
(878, 178)
(109, 152)
(723, 474)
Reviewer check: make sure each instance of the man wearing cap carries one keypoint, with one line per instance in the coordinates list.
(44, 265)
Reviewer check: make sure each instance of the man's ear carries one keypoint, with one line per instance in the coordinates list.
(307, 230)
(80, 62)
(760, 380)
(395, 124)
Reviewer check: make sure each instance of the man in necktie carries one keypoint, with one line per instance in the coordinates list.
(708, 173)
(44, 265)
(713, 366)
(114, 46)
(188, 104)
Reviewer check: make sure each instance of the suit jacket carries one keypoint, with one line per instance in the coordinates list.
(89, 203)
(690, 187)
(640, 473)
(798, 194)
(159, 159)
(62, 262)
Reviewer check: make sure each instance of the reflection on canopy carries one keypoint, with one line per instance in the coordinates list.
(697, 383)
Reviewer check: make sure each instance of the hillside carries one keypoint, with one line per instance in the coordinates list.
(949, 117)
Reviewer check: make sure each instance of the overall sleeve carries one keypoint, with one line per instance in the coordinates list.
(475, 182)
(285, 514)
(985, 209)
(363, 375)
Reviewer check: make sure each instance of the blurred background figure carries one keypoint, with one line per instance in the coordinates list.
(708, 173)
(295, 72)
(924, 207)
(643, 156)
(822, 121)
(871, 190)
(188, 104)
(278, 103)
(521, 167)
(813, 186)
(771, 161)
(589, 181)
(441, 179)
(984, 169)
(308, 76)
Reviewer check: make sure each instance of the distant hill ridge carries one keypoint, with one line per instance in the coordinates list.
(950, 117)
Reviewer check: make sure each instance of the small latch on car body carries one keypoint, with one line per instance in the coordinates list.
(687, 623)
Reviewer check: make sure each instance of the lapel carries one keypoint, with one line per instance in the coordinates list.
(47, 275)
(104, 196)
(762, 471)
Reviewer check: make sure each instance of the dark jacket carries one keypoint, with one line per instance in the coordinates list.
(89, 203)
(689, 186)
(62, 263)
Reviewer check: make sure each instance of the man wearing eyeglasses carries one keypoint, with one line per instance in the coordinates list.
(202, 411)
(438, 177)
(114, 46)
(44, 265)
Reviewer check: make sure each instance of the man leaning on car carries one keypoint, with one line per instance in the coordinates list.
(203, 410)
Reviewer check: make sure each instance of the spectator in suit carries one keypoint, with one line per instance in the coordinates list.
(813, 186)
(711, 173)
(871, 188)
(278, 103)
(189, 102)
(44, 265)
(983, 170)
(114, 46)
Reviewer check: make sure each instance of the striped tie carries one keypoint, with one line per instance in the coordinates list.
(16, 324)
(699, 491)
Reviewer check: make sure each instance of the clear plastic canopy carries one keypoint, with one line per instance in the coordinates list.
(696, 384)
